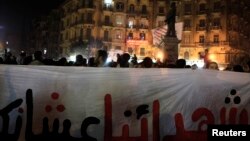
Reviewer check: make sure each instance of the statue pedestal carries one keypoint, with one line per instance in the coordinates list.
(170, 49)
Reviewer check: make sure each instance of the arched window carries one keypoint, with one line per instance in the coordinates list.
(144, 9)
(142, 36)
(131, 8)
(186, 55)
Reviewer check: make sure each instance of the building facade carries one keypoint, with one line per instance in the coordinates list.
(214, 25)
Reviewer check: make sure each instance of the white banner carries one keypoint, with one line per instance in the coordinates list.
(39, 103)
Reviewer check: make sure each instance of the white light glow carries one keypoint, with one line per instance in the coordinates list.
(199, 63)
(108, 1)
(72, 58)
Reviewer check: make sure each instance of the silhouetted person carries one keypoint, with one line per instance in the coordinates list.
(80, 61)
(238, 68)
(38, 58)
(101, 58)
(180, 63)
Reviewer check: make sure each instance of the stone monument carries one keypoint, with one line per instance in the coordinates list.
(170, 41)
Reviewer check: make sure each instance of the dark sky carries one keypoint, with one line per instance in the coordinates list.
(16, 14)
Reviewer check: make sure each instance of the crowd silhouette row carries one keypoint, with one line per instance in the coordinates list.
(100, 60)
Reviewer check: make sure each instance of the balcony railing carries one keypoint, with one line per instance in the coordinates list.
(107, 24)
(91, 6)
(187, 28)
(107, 8)
(89, 21)
(187, 13)
(200, 28)
(107, 39)
(201, 12)
(216, 27)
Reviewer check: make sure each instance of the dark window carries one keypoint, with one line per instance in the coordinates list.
(89, 16)
(202, 39)
(217, 6)
(119, 6)
(106, 35)
(202, 7)
(187, 8)
(202, 23)
(107, 20)
(131, 8)
(130, 35)
(88, 33)
(144, 9)
(216, 22)
(187, 23)
(216, 38)
(161, 10)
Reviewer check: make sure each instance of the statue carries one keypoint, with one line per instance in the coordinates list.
(170, 20)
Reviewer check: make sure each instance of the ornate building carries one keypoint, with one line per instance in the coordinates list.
(218, 26)
(214, 25)
(112, 24)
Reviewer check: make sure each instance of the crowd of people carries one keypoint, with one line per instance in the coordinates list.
(100, 60)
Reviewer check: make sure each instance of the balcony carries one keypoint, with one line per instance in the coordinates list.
(86, 7)
(161, 14)
(201, 12)
(107, 8)
(107, 24)
(200, 28)
(187, 13)
(90, 6)
(132, 12)
(132, 26)
(187, 28)
(143, 26)
(216, 27)
(107, 39)
(88, 21)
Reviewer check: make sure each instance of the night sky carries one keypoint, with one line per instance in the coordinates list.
(16, 15)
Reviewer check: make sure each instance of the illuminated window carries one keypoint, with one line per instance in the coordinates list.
(108, 1)
(118, 48)
(142, 36)
(118, 34)
(186, 55)
(130, 50)
(130, 24)
(142, 51)
(119, 20)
